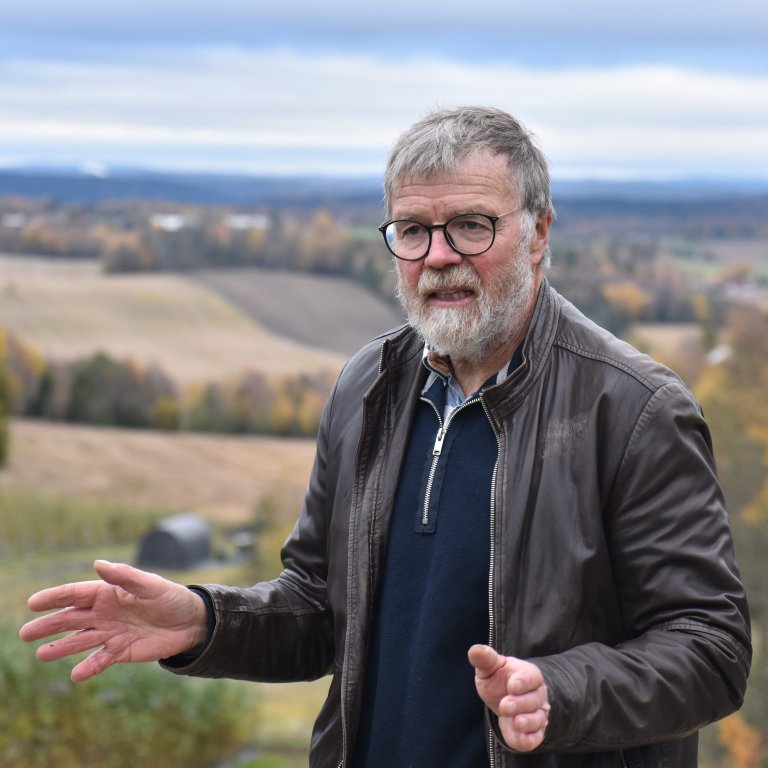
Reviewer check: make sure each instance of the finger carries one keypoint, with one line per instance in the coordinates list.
(65, 620)
(485, 660)
(525, 679)
(531, 722)
(86, 640)
(520, 705)
(95, 664)
(80, 595)
(526, 742)
(140, 583)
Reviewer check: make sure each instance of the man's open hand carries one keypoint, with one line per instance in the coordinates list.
(129, 615)
(514, 691)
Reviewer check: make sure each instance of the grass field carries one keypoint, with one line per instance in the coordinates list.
(68, 309)
(219, 477)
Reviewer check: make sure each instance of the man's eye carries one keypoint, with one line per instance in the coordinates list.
(411, 230)
(476, 228)
(471, 225)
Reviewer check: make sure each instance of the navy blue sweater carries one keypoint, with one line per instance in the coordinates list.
(420, 706)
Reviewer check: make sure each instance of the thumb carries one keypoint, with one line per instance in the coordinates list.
(139, 583)
(485, 660)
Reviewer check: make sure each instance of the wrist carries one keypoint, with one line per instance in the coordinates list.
(204, 621)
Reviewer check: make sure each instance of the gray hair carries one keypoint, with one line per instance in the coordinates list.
(441, 140)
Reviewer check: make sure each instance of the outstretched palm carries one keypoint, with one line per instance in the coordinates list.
(129, 615)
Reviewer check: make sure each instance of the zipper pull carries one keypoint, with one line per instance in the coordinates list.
(438, 442)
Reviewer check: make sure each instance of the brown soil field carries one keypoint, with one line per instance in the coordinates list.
(323, 312)
(219, 477)
(68, 309)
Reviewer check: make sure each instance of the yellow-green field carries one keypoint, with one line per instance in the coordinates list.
(220, 477)
(68, 309)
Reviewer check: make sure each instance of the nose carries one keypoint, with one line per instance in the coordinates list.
(440, 252)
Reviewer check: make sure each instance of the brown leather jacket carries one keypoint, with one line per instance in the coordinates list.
(612, 562)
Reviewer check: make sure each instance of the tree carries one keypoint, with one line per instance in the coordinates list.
(733, 397)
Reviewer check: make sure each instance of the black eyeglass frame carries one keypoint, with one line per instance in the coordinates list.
(444, 226)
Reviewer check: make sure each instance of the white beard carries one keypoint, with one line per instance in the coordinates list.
(498, 313)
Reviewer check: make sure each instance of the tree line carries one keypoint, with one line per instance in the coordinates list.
(733, 396)
(607, 262)
(102, 390)
(139, 237)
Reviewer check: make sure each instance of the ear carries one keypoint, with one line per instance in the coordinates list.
(540, 236)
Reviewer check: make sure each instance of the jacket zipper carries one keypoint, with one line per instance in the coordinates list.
(623, 759)
(492, 563)
(342, 696)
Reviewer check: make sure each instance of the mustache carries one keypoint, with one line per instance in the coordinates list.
(461, 277)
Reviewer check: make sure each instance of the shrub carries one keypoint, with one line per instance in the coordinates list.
(132, 715)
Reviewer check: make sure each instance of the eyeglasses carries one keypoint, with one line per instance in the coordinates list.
(469, 234)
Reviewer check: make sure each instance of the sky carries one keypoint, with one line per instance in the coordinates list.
(652, 90)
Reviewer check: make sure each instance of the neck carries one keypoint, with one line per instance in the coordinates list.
(472, 374)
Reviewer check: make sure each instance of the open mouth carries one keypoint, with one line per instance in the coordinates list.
(456, 295)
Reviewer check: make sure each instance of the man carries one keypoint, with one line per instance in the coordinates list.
(499, 478)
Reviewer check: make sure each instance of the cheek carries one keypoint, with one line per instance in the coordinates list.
(409, 274)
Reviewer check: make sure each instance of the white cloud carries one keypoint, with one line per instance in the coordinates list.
(231, 107)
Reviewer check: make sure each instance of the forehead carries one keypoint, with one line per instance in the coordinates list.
(480, 183)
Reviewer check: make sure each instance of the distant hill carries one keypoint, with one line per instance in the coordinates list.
(202, 189)
(218, 189)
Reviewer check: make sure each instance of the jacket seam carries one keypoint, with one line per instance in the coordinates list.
(635, 374)
(685, 625)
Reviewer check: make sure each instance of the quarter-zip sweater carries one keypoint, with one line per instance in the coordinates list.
(420, 706)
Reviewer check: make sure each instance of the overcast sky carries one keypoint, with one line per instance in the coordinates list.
(647, 90)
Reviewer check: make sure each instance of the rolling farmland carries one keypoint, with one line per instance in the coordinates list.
(67, 309)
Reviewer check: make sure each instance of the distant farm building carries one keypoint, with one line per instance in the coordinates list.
(176, 543)
(171, 222)
(247, 221)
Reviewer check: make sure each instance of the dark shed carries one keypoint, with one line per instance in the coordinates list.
(178, 542)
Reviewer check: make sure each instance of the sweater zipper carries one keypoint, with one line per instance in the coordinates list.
(492, 563)
(437, 449)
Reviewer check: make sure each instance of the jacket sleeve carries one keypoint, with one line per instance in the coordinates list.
(280, 630)
(683, 606)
